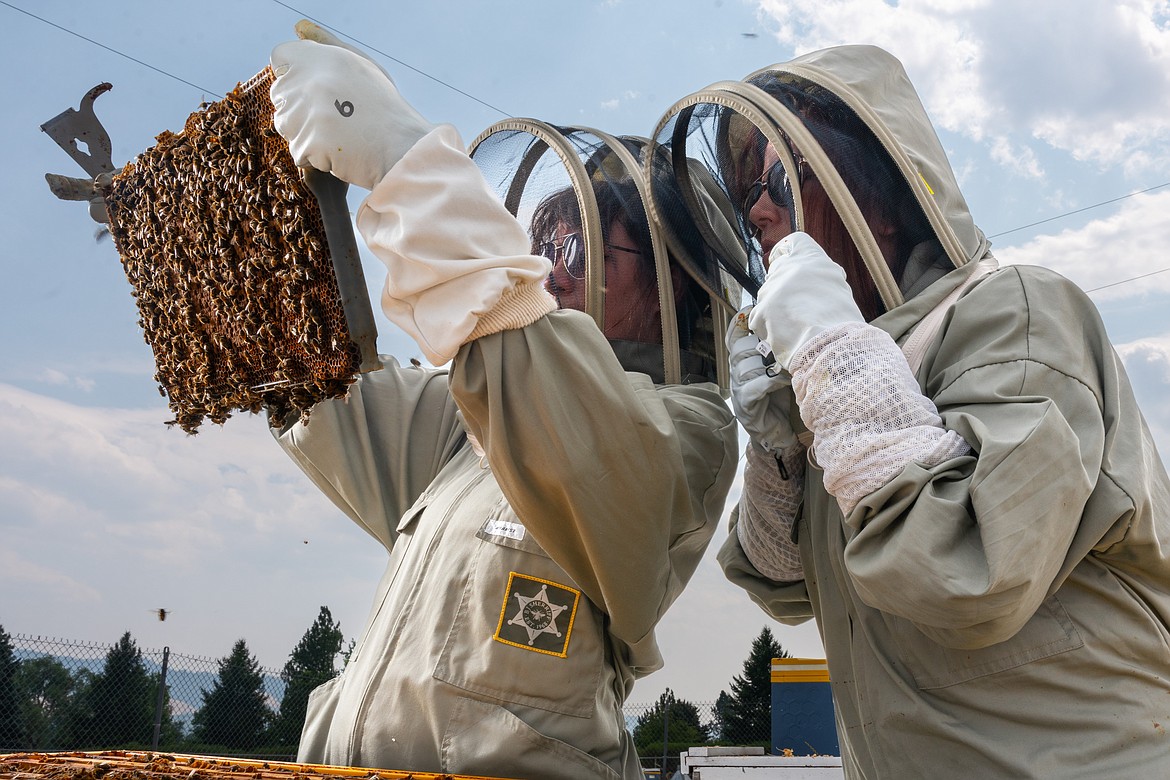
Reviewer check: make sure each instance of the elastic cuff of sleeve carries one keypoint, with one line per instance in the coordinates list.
(518, 307)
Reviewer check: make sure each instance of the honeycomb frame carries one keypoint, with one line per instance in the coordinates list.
(149, 765)
(245, 272)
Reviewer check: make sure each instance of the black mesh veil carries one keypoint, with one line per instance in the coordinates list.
(582, 196)
(786, 154)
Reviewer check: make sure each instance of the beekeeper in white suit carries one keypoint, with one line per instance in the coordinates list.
(977, 516)
(541, 506)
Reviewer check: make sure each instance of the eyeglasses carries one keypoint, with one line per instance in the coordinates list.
(570, 250)
(777, 182)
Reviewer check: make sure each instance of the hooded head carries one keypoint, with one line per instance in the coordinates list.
(581, 193)
(835, 143)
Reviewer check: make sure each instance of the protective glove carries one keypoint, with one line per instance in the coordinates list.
(311, 31)
(761, 397)
(804, 294)
(855, 390)
(339, 111)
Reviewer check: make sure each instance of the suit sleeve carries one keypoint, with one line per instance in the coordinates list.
(375, 451)
(968, 549)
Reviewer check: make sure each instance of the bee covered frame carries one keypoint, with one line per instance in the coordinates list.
(245, 269)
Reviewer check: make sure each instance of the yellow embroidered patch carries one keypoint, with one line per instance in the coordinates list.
(537, 615)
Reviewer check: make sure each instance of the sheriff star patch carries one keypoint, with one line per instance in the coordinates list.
(537, 615)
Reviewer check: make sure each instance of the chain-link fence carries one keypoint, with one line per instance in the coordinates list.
(670, 726)
(72, 695)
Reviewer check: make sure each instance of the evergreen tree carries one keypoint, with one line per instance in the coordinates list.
(12, 728)
(682, 730)
(235, 712)
(77, 720)
(310, 664)
(746, 716)
(722, 712)
(115, 707)
(46, 695)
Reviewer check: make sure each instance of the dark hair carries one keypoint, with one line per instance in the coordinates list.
(881, 191)
(559, 208)
(619, 202)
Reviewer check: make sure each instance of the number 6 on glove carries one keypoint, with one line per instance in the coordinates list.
(339, 110)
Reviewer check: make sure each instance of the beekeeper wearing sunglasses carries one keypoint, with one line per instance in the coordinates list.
(976, 515)
(541, 507)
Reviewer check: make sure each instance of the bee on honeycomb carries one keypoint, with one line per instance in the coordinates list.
(226, 249)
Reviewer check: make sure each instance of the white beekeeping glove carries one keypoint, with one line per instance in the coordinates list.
(460, 266)
(311, 31)
(805, 293)
(761, 398)
(339, 111)
(855, 390)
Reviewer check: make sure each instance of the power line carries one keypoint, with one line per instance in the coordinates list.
(1078, 211)
(364, 45)
(484, 103)
(1087, 208)
(1130, 279)
(110, 49)
(504, 113)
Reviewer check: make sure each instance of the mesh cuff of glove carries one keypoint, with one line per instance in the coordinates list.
(867, 414)
(767, 510)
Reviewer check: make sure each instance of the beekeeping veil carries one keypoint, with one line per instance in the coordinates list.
(582, 195)
(848, 119)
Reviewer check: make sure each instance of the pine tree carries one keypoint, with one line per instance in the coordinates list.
(310, 664)
(12, 731)
(235, 712)
(683, 728)
(746, 714)
(115, 707)
(719, 728)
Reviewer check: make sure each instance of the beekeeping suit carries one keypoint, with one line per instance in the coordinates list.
(541, 506)
(969, 502)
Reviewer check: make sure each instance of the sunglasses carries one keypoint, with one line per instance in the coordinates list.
(775, 179)
(571, 251)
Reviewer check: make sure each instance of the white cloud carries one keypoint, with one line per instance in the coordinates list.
(1014, 157)
(1123, 246)
(1086, 77)
(16, 572)
(52, 376)
(617, 102)
(1148, 364)
(109, 514)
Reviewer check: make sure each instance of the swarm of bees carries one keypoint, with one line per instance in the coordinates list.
(225, 247)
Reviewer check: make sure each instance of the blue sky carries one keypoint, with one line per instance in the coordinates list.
(1047, 109)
